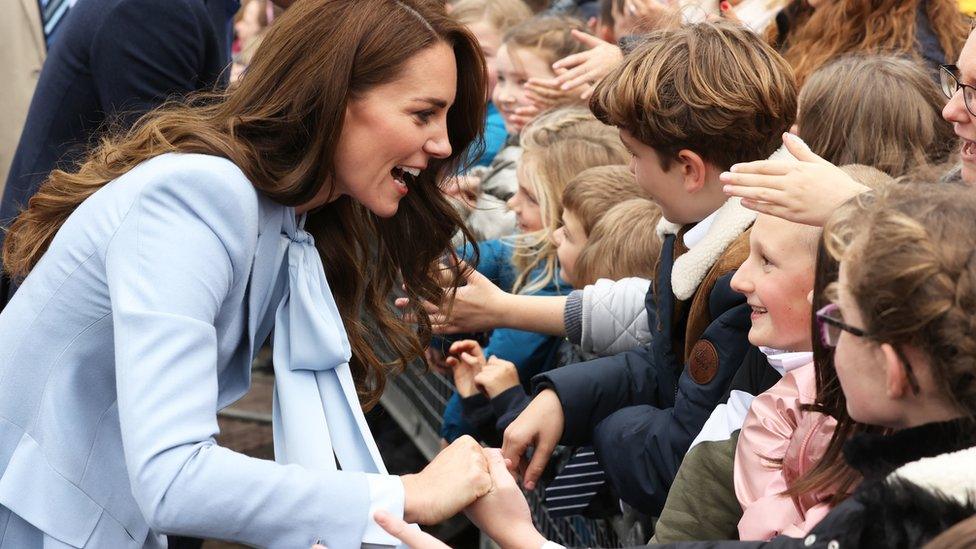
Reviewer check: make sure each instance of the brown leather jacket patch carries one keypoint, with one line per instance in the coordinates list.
(703, 362)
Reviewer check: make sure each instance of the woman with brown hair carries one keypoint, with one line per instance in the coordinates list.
(153, 272)
(810, 33)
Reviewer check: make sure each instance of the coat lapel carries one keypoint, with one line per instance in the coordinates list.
(265, 271)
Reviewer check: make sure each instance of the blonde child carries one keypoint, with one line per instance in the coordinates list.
(528, 50)
(558, 145)
(606, 202)
(488, 21)
(622, 244)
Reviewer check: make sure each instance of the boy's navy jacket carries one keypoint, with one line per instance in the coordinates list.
(641, 409)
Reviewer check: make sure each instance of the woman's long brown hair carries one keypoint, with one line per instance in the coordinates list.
(281, 126)
(867, 26)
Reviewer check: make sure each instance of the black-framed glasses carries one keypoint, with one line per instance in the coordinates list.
(830, 326)
(951, 84)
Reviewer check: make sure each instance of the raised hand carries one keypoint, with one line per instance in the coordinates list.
(466, 362)
(496, 376)
(806, 191)
(414, 538)
(539, 426)
(640, 16)
(453, 480)
(477, 307)
(582, 70)
(503, 513)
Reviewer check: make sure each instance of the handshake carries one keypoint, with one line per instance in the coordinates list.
(465, 476)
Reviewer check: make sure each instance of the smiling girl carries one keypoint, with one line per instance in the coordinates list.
(558, 145)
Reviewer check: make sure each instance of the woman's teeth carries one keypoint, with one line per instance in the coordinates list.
(759, 310)
(968, 147)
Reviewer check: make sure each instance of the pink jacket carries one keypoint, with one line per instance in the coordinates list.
(776, 428)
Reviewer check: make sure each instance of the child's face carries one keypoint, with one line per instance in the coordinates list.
(490, 40)
(664, 187)
(860, 365)
(514, 67)
(525, 204)
(776, 279)
(569, 239)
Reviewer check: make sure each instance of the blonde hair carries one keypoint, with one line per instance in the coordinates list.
(592, 193)
(548, 35)
(502, 15)
(914, 277)
(623, 243)
(882, 111)
(714, 88)
(557, 145)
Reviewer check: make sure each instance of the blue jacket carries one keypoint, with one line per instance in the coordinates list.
(494, 136)
(138, 324)
(641, 409)
(531, 352)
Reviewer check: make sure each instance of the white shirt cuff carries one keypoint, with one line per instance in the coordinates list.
(551, 545)
(385, 493)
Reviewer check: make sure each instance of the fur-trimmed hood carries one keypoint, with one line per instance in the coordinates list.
(730, 221)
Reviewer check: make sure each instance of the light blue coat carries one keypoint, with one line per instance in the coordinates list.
(138, 325)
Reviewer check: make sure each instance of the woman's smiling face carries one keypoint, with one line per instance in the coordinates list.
(391, 133)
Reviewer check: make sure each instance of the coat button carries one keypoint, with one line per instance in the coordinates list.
(809, 540)
(834, 544)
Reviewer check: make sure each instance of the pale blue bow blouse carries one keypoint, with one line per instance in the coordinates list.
(135, 328)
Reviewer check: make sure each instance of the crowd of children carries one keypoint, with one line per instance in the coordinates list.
(743, 279)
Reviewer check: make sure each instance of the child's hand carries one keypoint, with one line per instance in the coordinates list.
(640, 16)
(583, 70)
(523, 115)
(435, 360)
(466, 360)
(546, 93)
(478, 307)
(805, 192)
(497, 376)
(503, 514)
(463, 188)
(414, 538)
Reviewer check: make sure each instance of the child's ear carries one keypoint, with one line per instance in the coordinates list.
(693, 170)
(896, 379)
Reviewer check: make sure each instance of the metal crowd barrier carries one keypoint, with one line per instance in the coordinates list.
(416, 400)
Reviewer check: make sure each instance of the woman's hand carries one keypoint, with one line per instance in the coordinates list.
(453, 480)
(466, 361)
(478, 306)
(582, 70)
(496, 376)
(503, 513)
(805, 191)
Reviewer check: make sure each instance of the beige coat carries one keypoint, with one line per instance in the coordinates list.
(22, 51)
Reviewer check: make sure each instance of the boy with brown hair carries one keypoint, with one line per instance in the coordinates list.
(689, 103)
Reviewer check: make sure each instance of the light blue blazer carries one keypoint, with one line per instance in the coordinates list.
(138, 325)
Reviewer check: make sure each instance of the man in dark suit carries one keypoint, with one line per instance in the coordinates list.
(113, 61)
